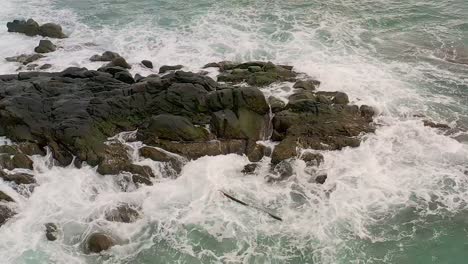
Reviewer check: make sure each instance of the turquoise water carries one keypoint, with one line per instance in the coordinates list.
(399, 198)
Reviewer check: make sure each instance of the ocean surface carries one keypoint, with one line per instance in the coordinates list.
(401, 197)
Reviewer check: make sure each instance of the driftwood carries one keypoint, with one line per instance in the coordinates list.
(252, 206)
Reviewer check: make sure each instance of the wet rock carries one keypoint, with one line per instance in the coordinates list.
(138, 77)
(144, 171)
(18, 178)
(25, 58)
(8, 149)
(310, 85)
(195, 150)
(122, 213)
(284, 150)
(99, 242)
(172, 127)
(255, 152)
(5, 197)
(115, 159)
(161, 156)
(340, 98)
(45, 46)
(106, 56)
(22, 161)
(282, 171)
(45, 66)
(367, 111)
(5, 214)
(320, 179)
(119, 62)
(312, 159)
(276, 104)
(148, 64)
(166, 68)
(29, 27)
(429, 123)
(51, 30)
(250, 168)
(141, 180)
(30, 148)
(125, 77)
(51, 231)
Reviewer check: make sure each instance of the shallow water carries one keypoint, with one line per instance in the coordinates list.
(401, 197)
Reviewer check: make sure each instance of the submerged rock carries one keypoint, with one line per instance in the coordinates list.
(106, 56)
(45, 46)
(310, 85)
(429, 123)
(166, 68)
(250, 168)
(18, 178)
(123, 213)
(25, 58)
(320, 179)
(5, 214)
(99, 242)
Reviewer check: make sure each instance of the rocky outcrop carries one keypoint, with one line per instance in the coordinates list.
(32, 28)
(73, 112)
(122, 213)
(98, 242)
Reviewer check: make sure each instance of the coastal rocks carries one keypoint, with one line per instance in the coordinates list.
(98, 242)
(123, 213)
(250, 168)
(25, 58)
(195, 150)
(45, 46)
(166, 68)
(19, 160)
(51, 231)
(429, 123)
(119, 62)
(172, 127)
(276, 104)
(162, 156)
(18, 178)
(5, 197)
(310, 85)
(32, 28)
(106, 56)
(148, 64)
(255, 73)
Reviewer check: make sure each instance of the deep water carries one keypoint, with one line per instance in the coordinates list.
(401, 197)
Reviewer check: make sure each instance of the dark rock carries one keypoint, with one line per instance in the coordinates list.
(282, 171)
(147, 64)
(166, 68)
(45, 46)
(320, 179)
(119, 62)
(138, 77)
(285, 150)
(141, 180)
(18, 178)
(125, 77)
(51, 231)
(22, 161)
(195, 150)
(45, 66)
(312, 159)
(340, 98)
(367, 111)
(255, 152)
(250, 168)
(310, 85)
(30, 148)
(115, 159)
(161, 156)
(5, 214)
(5, 197)
(276, 104)
(106, 56)
(8, 149)
(122, 213)
(29, 27)
(173, 127)
(435, 125)
(25, 58)
(144, 171)
(51, 30)
(99, 242)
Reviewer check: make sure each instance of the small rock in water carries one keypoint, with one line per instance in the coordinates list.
(320, 179)
(276, 104)
(340, 98)
(312, 158)
(166, 68)
(119, 62)
(435, 125)
(18, 178)
(25, 58)
(147, 64)
(141, 180)
(310, 85)
(51, 30)
(45, 66)
(5, 213)
(98, 242)
(45, 46)
(250, 168)
(51, 231)
(29, 27)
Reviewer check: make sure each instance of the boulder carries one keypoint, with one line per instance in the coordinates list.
(18, 178)
(367, 111)
(311, 159)
(51, 30)
(51, 231)
(195, 150)
(45, 66)
(162, 156)
(5, 213)
(282, 171)
(119, 62)
(125, 77)
(320, 179)
(98, 242)
(106, 56)
(45, 46)
(166, 68)
(429, 123)
(141, 180)
(114, 160)
(255, 152)
(29, 27)
(148, 64)
(22, 161)
(122, 213)
(276, 104)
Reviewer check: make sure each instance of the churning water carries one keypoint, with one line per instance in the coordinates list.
(401, 197)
